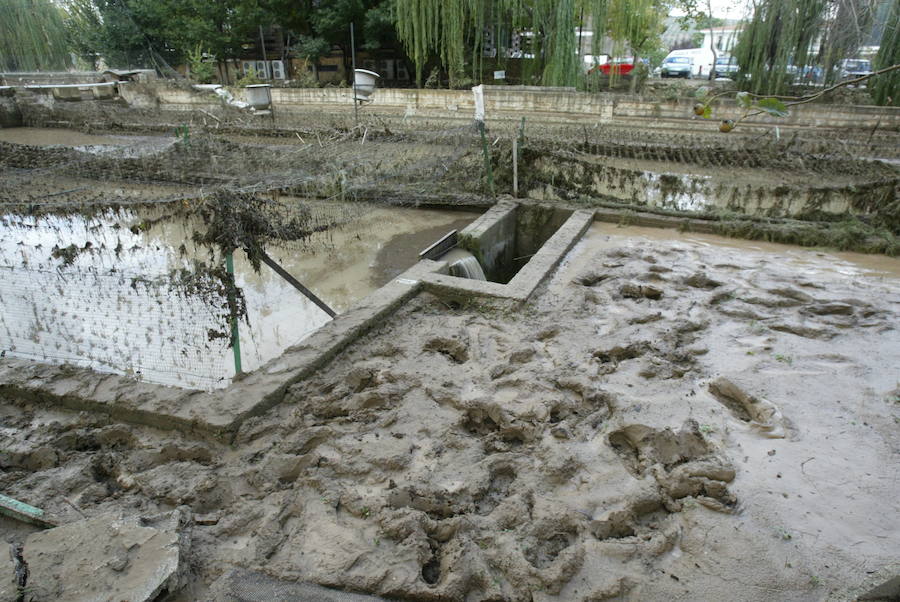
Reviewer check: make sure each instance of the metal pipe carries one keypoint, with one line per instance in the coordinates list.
(296, 283)
(235, 334)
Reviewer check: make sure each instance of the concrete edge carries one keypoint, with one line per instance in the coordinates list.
(327, 342)
(551, 253)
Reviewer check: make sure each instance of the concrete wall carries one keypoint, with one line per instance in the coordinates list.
(535, 225)
(513, 102)
(23, 78)
(492, 239)
(10, 116)
(506, 102)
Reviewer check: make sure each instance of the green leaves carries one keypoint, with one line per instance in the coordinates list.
(773, 107)
(744, 100)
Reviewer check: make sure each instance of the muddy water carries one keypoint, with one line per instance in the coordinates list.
(76, 139)
(97, 308)
(359, 258)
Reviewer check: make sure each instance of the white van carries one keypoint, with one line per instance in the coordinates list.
(701, 61)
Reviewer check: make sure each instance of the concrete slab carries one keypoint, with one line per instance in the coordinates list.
(109, 557)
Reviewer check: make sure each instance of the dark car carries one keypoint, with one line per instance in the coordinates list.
(677, 66)
(726, 66)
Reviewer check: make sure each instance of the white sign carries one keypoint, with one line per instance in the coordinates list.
(478, 91)
(499, 74)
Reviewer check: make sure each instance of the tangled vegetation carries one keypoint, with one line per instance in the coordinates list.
(236, 220)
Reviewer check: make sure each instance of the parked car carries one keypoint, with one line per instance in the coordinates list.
(700, 60)
(726, 66)
(853, 68)
(619, 66)
(677, 66)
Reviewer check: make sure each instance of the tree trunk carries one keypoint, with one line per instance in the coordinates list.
(712, 40)
(635, 74)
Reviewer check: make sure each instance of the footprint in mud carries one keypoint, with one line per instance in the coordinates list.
(761, 414)
(549, 539)
(829, 309)
(683, 465)
(498, 489)
(701, 280)
(580, 403)
(638, 518)
(632, 290)
(791, 293)
(431, 570)
(611, 358)
(592, 278)
(498, 432)
(641, 446)
(802, 330)
(454, 349)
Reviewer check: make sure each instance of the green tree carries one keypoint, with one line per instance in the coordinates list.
(159, 33)
(886, 88)
(779, 34)
(32, 36)
(451, 31)
(311, 48)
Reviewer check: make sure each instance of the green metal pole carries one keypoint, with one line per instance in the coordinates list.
(487, 158)
(235, 335)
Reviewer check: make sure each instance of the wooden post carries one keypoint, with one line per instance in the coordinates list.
(353, 75)
(515, 159)
(262, 46)
(235, 334)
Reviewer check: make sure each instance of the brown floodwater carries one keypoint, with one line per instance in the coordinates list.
(67, 137)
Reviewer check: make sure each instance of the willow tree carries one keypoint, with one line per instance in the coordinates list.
(446, 29)
(779, 34)
(452, 31)
(886, 88)
(848, 25)
(32, 36)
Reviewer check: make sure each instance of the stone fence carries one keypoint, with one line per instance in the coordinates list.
(510, 103)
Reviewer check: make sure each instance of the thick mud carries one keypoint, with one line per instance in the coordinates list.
(666, 419)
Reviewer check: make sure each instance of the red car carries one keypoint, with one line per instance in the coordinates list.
(618, 66)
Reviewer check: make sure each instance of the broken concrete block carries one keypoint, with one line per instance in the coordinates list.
(109, 557)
